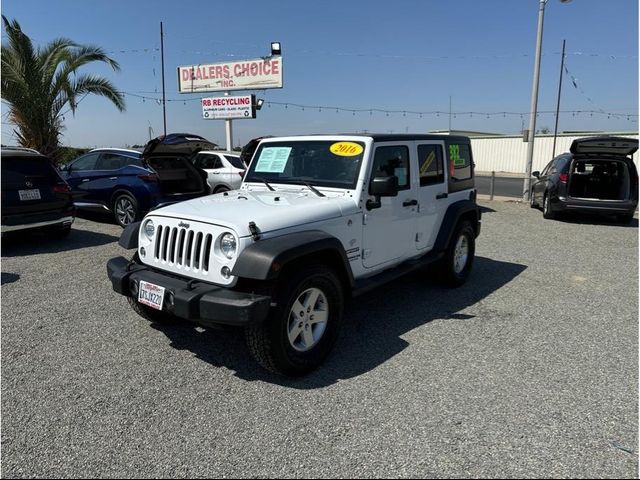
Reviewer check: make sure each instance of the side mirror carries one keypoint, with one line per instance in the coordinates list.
(382, 187)
(536, 174)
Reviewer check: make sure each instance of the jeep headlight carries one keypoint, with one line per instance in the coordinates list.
(228, 245)
(149, 229)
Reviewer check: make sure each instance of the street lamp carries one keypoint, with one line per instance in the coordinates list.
(534, 101)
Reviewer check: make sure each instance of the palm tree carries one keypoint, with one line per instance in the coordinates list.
(41, 84)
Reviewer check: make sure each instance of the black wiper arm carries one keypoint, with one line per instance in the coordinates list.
(260, 179)
(313, 189)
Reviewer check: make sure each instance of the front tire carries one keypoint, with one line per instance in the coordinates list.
(151, 314)
(532, 200)
(547, 212)
(303, 327)
(458, 260)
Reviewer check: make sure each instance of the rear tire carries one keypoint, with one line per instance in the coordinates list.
(303, 327)
(456, 265)
(125, 209)
(546, 208)
(151, 314)
(221, 189)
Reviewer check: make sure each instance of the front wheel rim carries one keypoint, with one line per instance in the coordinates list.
(308, 319)
(125, 211)
(461, 254)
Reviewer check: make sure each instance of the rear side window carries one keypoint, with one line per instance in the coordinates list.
(393, 160)
(17, 169)
(430, 164)
(235, 161)
(113, 161)
(459, 161)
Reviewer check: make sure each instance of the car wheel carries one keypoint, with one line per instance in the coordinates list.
(532, 200)
(125, 210)
(458, 260)
(151, 314)
(220, 189)
(546, 208)
(303, 327)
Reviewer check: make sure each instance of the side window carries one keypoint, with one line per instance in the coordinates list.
(394, 160)
(208, 162)
(430, 164)
(112, 161)
(547, 169)
(459, 161)
(88, 162)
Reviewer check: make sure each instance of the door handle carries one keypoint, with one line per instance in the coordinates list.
(86, 179)
(113, 178)
(440, 196)
(410, 203)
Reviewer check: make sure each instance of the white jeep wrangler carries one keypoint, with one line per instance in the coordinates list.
(318, 219)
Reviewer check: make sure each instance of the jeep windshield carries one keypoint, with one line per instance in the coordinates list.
(322, 163)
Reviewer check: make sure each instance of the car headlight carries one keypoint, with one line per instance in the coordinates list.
(228, 245)
(149, 229)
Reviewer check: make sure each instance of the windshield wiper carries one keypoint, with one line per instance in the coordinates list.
(312, 188)
(260, 179)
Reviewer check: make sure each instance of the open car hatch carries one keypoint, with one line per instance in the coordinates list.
(619, 146)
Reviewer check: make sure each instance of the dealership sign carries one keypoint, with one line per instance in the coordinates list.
(243, 75)
(222, 108)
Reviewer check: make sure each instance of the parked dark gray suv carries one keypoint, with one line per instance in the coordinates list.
(597, 176)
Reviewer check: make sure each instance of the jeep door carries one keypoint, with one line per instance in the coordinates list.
(389, 231)
(432, 192)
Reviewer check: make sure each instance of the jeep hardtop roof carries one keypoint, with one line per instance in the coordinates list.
(384, 137)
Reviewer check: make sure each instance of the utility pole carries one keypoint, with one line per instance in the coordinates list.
(555, 132)
(228, 126)
(449, 113)
(164, 102)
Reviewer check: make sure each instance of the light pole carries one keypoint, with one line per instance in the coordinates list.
(534, 100)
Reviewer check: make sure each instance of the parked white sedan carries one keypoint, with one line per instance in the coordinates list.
(224, 169)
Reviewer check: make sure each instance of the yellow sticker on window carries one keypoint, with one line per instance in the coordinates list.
(346, 149)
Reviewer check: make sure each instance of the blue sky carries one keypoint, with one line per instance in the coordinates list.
(390, 55)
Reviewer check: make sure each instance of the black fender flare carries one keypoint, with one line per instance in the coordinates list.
(452, 216)
(265, 259)
(129, 236)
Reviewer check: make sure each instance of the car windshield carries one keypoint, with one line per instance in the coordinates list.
(323, 163)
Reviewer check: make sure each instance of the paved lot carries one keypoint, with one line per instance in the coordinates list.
(528, 370)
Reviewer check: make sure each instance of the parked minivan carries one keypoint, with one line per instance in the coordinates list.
(598, 175)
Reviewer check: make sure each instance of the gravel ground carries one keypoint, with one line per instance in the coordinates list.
(528, 370)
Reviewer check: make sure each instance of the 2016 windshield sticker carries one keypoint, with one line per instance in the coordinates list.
(273, 159)
(346, 149)
(454, 154)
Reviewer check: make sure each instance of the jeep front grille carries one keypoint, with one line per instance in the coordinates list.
(183, 247)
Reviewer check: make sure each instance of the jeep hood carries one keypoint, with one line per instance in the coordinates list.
(269, 210)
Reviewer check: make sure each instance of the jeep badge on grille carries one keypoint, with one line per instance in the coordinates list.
(183, 225)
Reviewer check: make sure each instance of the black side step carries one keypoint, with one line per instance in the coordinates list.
(367, 284)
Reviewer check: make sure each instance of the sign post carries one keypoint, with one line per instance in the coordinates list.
(228, 128)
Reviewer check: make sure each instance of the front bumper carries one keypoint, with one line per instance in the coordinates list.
(200, 302)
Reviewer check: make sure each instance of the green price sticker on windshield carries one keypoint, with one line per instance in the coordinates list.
(454, 154)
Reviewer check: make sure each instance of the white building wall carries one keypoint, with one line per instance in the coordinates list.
(509, 154)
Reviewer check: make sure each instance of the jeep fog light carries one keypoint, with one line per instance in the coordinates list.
(225, 272)
(149, 229)
(228, 245)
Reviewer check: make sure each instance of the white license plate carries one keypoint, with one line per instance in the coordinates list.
(151, 295)
(29, 194)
